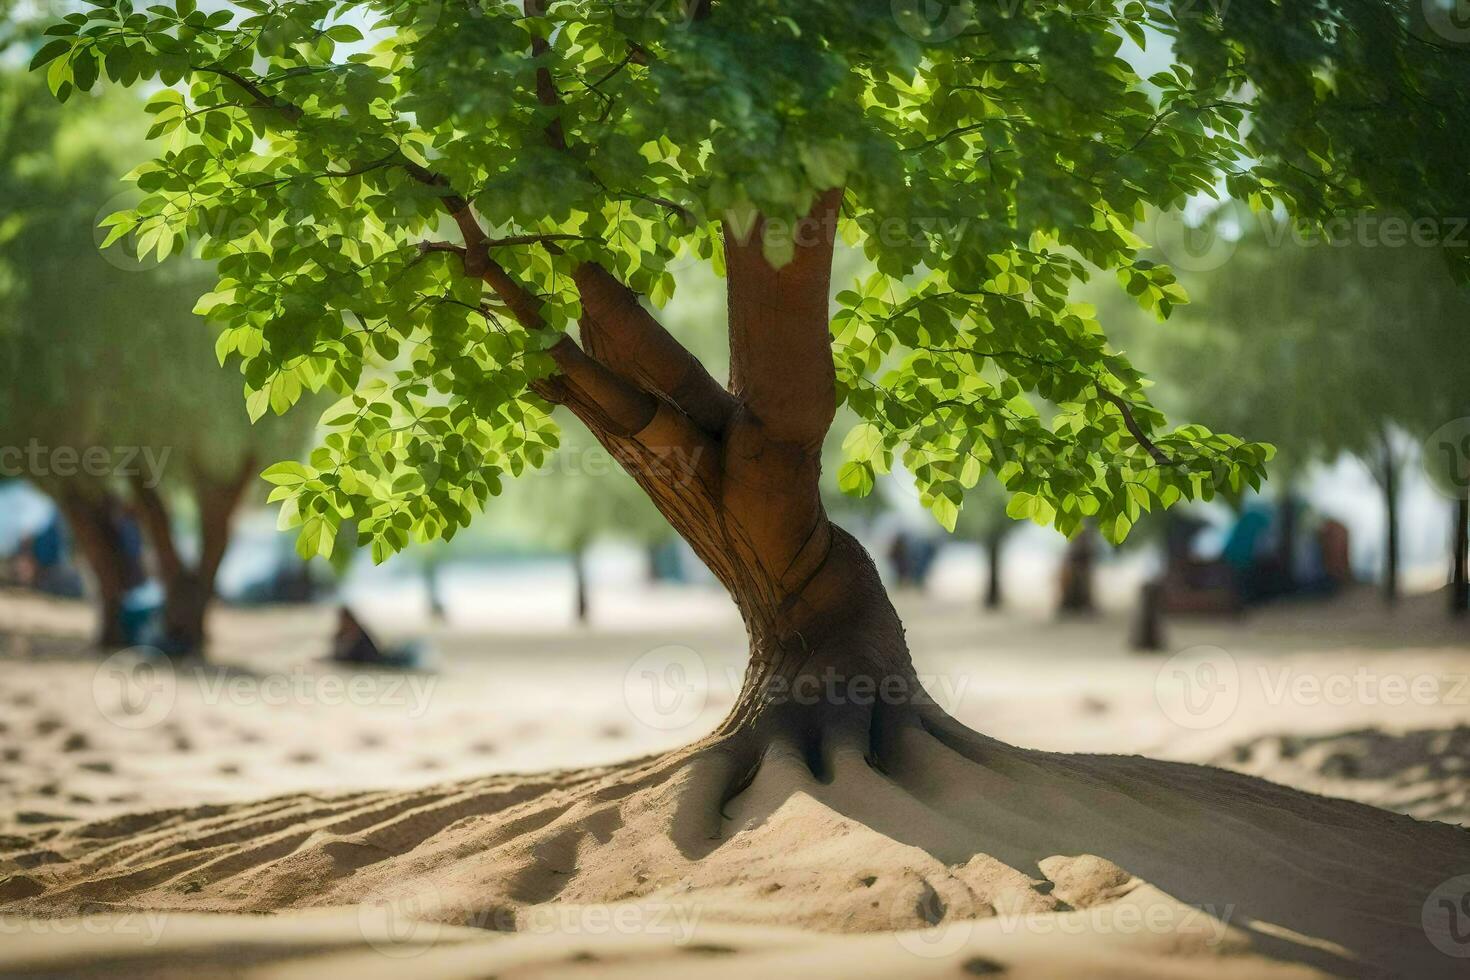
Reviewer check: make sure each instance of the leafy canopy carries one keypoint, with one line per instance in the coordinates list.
(92, 354)
(987, 173)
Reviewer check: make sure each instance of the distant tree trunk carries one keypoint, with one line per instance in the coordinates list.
(1077, 574)
(994, 544)
(579, 576)
(188, 591)
(1148, 629)
(89, 516)
(1389, 480)
(431, 586)
(1460, 565)
(1286, 545)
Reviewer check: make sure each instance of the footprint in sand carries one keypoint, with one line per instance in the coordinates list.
(182, 743)
(101, 766)
(302, 758)
(12, 754)
(482, 748)
(47, 724)
(369, 740)
(76, 742)
(612, 731)
(228, 769)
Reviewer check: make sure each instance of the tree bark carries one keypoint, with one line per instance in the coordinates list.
(1460, 562)
(994, 544)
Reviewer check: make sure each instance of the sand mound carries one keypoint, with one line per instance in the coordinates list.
(944, 848)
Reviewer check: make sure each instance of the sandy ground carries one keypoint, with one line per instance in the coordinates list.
(1343, 700)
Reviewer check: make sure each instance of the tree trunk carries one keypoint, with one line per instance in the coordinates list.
(579, 583)
(1076, 577)
(993, 589)
(189, 590)
(89, 515)
(1460, 562)
(1389, 482)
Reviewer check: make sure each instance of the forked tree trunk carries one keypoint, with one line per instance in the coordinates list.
(89, 515)
(188, 590)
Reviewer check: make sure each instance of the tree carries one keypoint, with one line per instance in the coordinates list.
(107, 374)
(1288, 310)
(485, 176)
(984, 519)
(582, 494)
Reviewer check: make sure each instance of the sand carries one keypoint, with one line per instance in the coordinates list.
(389, 834)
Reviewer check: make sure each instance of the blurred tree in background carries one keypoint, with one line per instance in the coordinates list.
(1341, 344)
(985, 521)
(103, 355)
(582, 494)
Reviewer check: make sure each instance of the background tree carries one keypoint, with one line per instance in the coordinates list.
(1337, 344)
(985, 521)
(109, 359)
(582, 494)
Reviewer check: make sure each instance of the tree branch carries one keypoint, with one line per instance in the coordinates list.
(623, 335)
(1159, 456)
